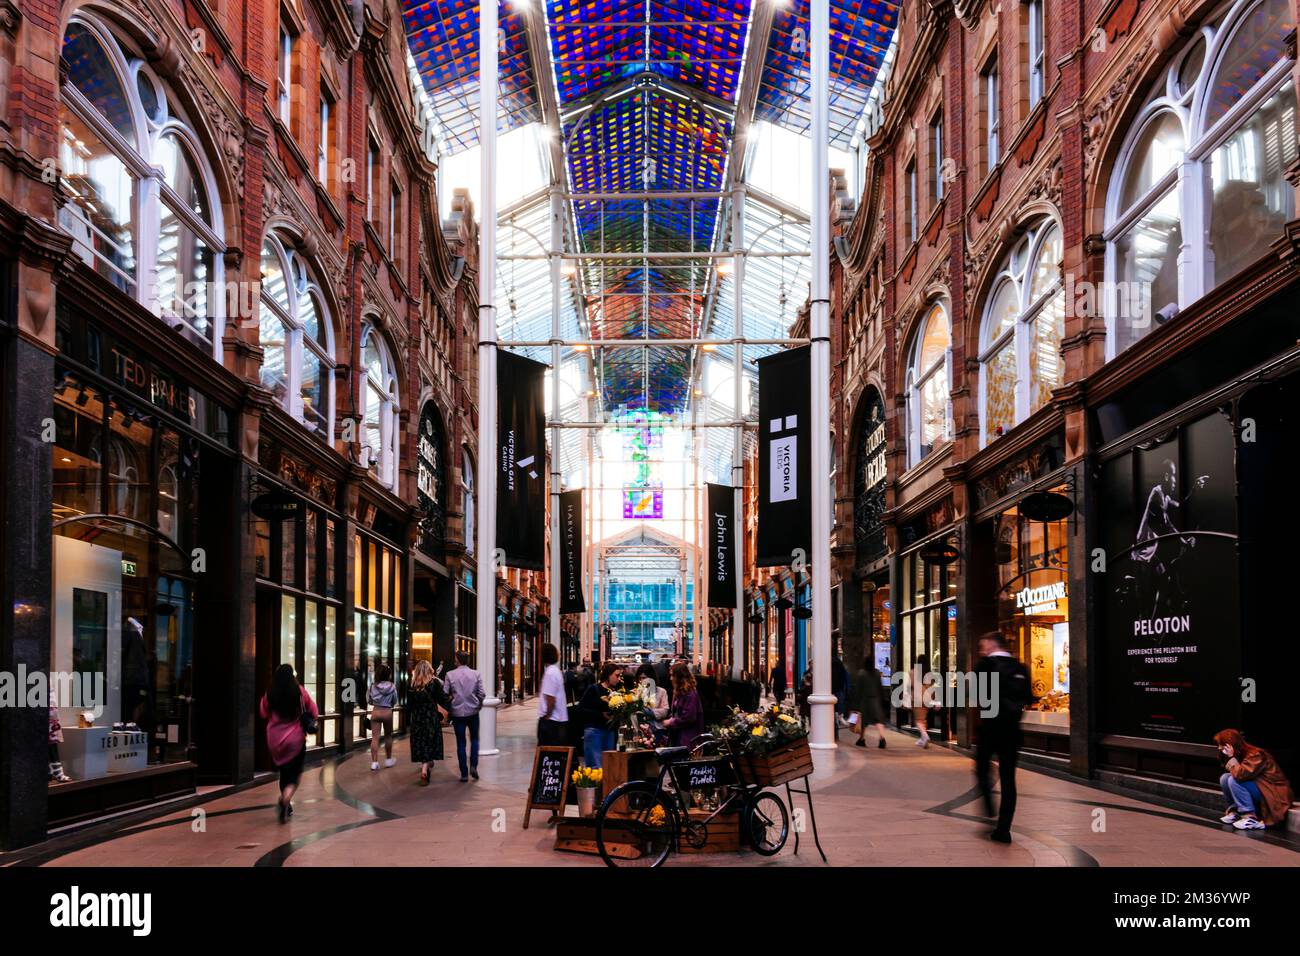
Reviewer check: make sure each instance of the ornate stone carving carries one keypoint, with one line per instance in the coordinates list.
(968, 13)
(226, 129)
(1048, 184)
(973, 267)
(1098, 118)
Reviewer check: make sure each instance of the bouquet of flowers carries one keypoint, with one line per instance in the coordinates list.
(624, 705)
(587, 777)
(762, 731)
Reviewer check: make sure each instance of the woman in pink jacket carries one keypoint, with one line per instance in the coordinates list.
(287, 709)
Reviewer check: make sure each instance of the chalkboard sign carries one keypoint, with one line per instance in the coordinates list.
(549, 783)
(702, 774)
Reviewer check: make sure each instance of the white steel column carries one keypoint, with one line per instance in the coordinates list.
(557, 238)
(822, 700)
(589, 540)
(487, 379)
(738, 439)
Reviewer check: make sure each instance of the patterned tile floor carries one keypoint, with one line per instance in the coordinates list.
(899, 806)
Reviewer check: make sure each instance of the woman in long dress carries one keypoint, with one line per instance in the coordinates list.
(426, 705)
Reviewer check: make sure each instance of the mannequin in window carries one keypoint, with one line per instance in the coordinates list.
(135, 673)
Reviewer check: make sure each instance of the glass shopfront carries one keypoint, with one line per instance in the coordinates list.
(135, 452)
(927, 628)
(300, 604)
(379, 629)
(1033, 607)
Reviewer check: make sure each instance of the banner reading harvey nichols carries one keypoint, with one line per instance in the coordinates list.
(784, 459)
(521, 462)
(571, 597)
(720, 527)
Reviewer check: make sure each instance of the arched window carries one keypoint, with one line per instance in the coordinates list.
(297, 339)
(141, 205)
(929, 416)
(1200, 191)
(380, 408)
(1020, 341)
(467, 498)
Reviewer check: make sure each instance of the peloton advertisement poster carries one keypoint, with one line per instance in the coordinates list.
(784, 457)
(1172, 622)
(521, 461)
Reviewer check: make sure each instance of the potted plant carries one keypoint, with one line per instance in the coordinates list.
(587, 781)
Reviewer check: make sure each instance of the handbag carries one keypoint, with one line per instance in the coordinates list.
(306, 719)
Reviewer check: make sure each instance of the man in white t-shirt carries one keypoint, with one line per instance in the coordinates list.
(552, 713)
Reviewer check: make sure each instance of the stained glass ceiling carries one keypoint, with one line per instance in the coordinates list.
(648, 98)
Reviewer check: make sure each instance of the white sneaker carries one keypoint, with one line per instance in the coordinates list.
(1249, 823)
(389, 762)
(1229, 817)
(921, 743)
(374, 765)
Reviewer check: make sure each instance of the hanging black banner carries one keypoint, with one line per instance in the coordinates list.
(721, 544)
(784, 457)
(521, 462)
(571, 596)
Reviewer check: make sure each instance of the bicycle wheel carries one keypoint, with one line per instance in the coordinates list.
(768, 823)
(636, 826)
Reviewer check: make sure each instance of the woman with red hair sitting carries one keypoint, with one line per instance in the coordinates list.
(1257, 792)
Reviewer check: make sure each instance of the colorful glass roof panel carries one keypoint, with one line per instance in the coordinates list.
(860, 34)
(443, 36)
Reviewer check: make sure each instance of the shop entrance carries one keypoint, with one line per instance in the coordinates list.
(928, 635)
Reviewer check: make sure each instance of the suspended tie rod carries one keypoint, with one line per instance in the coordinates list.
(641, 343)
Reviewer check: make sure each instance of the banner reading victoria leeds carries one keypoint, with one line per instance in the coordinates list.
(784, 456)
(521, 457)
(572, 600)
(720, 544)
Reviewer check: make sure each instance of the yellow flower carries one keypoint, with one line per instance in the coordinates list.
(758, 732)
(787, 718)
(657, 816)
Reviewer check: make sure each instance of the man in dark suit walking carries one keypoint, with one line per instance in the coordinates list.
(1006, 681)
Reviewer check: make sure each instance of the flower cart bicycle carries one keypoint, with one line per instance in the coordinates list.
(641, 822)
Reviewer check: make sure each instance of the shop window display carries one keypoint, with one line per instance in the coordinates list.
(125, 489)
(1033, 607)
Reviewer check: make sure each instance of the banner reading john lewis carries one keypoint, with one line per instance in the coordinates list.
(521, 462)
(720, 541)
(1172, 630)
(784, 457)
(571, 596)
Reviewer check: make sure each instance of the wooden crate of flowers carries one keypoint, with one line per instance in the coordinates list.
(770, 746)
